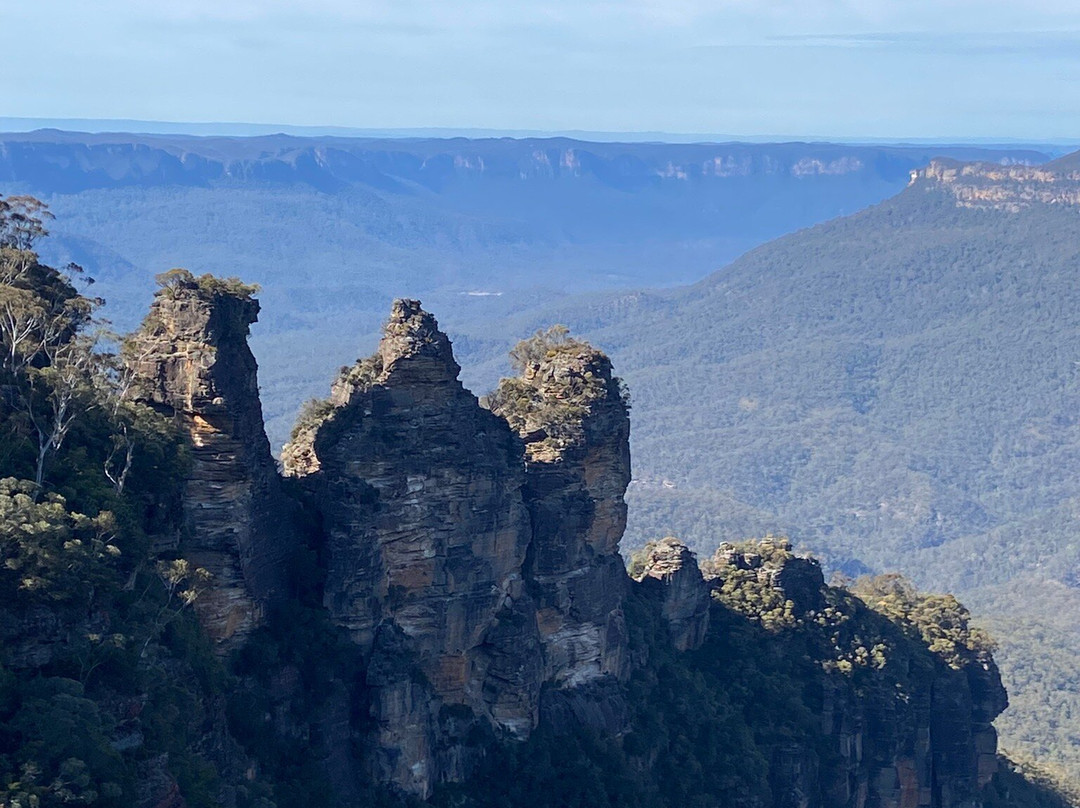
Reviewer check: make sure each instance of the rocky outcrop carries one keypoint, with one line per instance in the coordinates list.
(420, 494)
(472, 553)
(1002, 187)
(685, 598)
(190, 360)
(471, 556)
(573, 415)
(794, 578)
(910, 726)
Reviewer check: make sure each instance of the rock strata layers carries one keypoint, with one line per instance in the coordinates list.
(420, 493)
(190, 360)
(471, 555)
(1002, 187)
(475, 547)
(573, 416)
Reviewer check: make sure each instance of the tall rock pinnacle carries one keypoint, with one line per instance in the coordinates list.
(572, 414)
(190, 359)
(419, 490)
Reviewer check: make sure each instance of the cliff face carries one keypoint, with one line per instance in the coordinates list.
(190, 360)
(66, 162)
(997, 187)
(480, 552)
(420, 492)
(669, 564)
(571, 412)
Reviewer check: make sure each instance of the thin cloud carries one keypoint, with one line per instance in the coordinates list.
(1032, 43)
(866, 67)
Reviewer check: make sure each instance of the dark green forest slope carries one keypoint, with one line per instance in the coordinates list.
(898, 389)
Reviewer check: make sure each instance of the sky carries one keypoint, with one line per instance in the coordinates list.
(840, 68)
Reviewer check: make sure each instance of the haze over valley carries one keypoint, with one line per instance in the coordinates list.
(335, 228)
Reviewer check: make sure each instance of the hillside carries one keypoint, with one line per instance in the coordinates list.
(430, 607)
(335, 228)
(896, 389)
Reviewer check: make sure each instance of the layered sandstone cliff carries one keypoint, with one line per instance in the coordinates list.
(1002, 187)
(190, 360)
(420, 495)
(471, 555)
(572, 414)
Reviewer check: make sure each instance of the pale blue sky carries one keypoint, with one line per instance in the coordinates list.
(861, 68)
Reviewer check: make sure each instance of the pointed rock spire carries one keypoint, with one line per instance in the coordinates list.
(191, 360)
(419, 493)
(412, 332)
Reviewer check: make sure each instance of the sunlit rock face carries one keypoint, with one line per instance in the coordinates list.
(420, 494)
(471, 554)
(573, 416)
(1008, 188)
(190, 359)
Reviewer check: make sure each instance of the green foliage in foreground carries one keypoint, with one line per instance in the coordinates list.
(103, 668)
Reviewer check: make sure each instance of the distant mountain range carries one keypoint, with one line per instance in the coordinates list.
(336, 227)
(242, 129)
(68, 162)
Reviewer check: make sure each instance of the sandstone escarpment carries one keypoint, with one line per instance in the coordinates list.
(669, 564)
(1001, 187)
(190, 360)
(573, 415)
(420, 494)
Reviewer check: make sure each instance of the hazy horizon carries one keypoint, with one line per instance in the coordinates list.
(865, 69)
(25, 125)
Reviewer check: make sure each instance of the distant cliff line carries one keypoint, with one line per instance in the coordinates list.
(1007, 188)
(50, 161)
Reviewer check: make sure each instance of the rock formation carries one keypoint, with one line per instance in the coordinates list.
(1003, 187)
(471, 555)
(918, 734)
(419, 489)
(190, 360)
(573, 416)
(670, 565)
